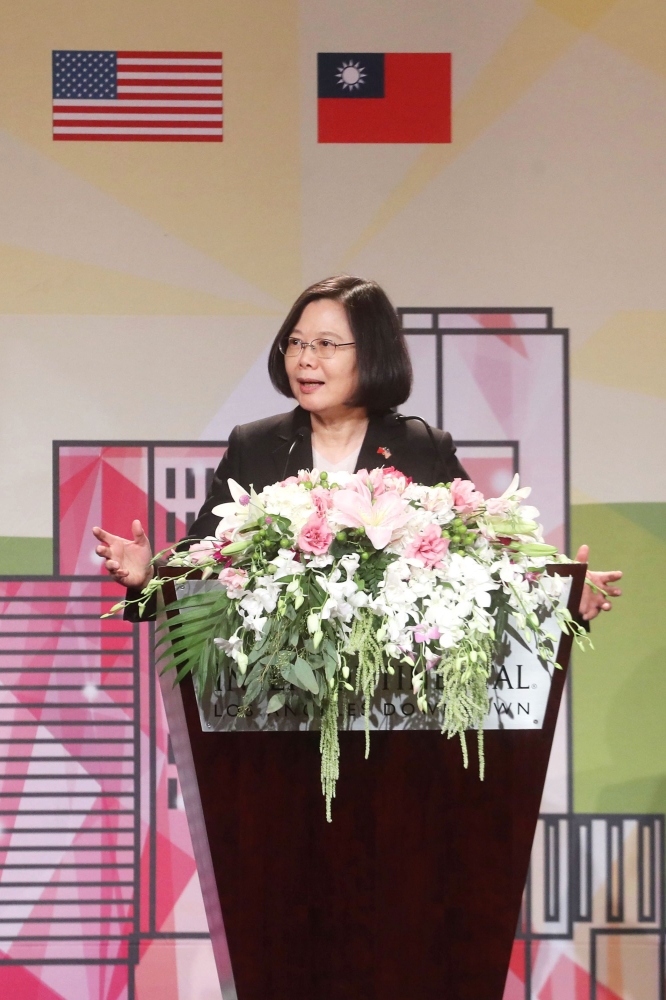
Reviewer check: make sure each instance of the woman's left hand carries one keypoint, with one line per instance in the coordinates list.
(595, 600)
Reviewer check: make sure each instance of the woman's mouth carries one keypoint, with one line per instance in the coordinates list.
(309, 385)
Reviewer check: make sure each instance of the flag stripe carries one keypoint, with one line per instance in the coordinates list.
(121, 107)
(176, 73)
(171, 65)
(111, 130)
(141, 138)
(106, 118)
(168, 55)
(178, 86)
(77, 111)
(170, 96)
(134, 89)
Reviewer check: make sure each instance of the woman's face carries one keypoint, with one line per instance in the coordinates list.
(323, 385)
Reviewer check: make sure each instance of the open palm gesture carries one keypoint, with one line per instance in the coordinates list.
(127, 560)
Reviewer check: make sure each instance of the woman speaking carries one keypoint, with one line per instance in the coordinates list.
(341, 354)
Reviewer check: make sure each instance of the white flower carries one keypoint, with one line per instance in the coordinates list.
(552, 586)
(256, 623)
(472, 581)
(244, 507)
(512, 574)
(344, 597)
(350, 563)
(513, 493)
(292, 501)
(231, 646)
(319, 562)
(435, 499)
(286, 564)
(340, 478)
(264, 597)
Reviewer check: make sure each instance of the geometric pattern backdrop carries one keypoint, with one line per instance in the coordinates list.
(99, 895)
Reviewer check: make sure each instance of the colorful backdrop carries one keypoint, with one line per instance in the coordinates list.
(141, 283)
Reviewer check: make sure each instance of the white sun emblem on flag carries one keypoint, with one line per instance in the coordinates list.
(351, 76)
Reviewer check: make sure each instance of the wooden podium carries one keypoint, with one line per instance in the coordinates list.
(413, 891)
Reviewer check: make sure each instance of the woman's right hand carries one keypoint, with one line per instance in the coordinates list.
(127, 560)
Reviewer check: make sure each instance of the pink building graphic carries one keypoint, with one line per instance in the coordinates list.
(99, 895)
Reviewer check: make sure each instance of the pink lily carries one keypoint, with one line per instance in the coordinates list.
(356, 509)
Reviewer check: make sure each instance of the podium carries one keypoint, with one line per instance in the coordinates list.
(413, 892)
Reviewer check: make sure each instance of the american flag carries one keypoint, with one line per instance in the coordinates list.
(137, 96)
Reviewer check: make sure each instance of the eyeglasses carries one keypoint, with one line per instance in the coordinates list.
(292, 346)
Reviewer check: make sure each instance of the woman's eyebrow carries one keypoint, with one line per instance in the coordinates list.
(323, 333)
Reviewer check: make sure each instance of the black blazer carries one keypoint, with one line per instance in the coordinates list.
(269, 450)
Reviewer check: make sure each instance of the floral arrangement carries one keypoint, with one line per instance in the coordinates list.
(325, 581)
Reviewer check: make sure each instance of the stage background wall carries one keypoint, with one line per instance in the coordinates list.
(141, 282)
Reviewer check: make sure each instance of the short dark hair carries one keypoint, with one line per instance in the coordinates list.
(382, 358)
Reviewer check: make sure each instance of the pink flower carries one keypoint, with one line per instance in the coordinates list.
(498, 506)
(321, 500)
(392, 474)
(315, 536)
(380, 480)
(367, 480)
(380, 516)
(233, 579)
(204, 550)
(289, 480)
(429, 547)
(465, 498)
(424, 634)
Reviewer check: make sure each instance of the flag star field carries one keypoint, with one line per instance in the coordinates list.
(84, 74)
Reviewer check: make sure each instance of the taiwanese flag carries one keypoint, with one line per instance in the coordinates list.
(377, 97)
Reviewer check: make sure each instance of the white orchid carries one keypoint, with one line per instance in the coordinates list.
(344, 597)
(231, 646)
(286, 564)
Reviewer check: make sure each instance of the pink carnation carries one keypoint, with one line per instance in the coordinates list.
(465, 498)
(233, 579)
(321, 500)
(429, 547)
(315, 536)
(396, 479)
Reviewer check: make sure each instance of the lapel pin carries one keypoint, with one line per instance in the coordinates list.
(386, 452)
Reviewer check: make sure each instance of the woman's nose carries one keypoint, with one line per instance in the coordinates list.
(308, 358)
